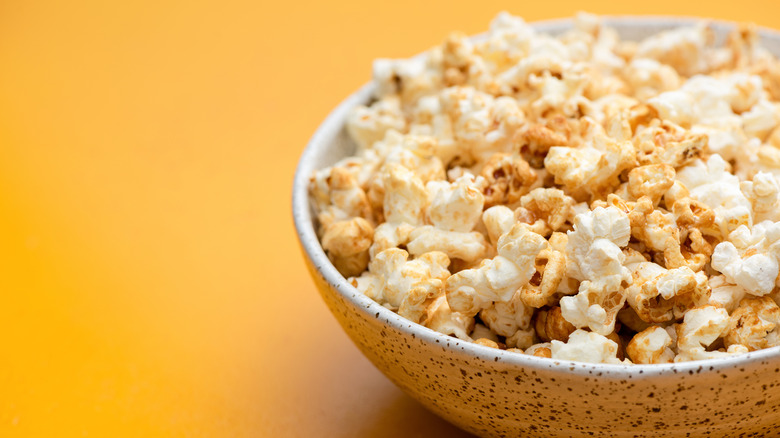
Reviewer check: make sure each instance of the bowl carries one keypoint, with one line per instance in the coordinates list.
(495, 393)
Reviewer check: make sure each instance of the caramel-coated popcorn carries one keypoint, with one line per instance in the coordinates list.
(575, 197)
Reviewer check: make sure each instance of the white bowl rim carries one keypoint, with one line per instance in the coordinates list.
(304, 225)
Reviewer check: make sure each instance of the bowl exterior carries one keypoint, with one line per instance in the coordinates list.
(494, 393)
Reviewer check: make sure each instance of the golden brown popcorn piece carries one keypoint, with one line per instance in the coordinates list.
(628, 318)
(338, 196)
(655, 292)
(652, 345)
(550, 205)
(537, 138)
(550, 268)
(664, 142)
(652, 180)
(754, 324)
(640, 114)
(347, 243)
(457, 54)
(657, 230)
(549, 325)
(508, 177)
(539, 350)
(485, 342)
(621, 349)
(439, 317)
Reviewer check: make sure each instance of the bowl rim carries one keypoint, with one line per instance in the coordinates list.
(304, 225)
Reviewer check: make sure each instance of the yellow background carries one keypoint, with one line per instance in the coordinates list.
(150, 281)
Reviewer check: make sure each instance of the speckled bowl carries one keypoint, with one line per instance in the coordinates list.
(494, 393)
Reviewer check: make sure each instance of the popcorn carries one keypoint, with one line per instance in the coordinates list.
(439, 317)
(763, 193)
(684, 49)
(347, 243)
(549, 205)
(456, 206)
(540, 350)
(651, 346)
(550, 266)
(558, 196)
(592, 169)
(725, 294)
(714, 186)
(700, 328)
(496, 279)
(754, 324)
(550, 325)
(508, 178)
(507, 318)
(585, 346)
(402, 284)
(659, 295)
(652, 180)
(368, 124)
(649, 77)
(750, 258)
(469, 247)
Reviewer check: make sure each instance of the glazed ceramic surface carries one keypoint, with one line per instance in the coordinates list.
(494, 393)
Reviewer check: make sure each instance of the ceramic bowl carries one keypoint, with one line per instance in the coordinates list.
(494, 393)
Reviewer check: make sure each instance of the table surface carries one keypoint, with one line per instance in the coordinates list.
(150, 278)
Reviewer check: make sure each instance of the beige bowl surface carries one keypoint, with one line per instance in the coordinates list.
(500, 394)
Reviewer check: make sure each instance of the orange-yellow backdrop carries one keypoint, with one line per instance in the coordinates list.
(150, 282)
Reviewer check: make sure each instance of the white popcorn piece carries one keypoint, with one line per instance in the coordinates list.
(651, 345)
(467, 246)
(506, 318)
(700, 328)
(717, 188)
(750, 257)
(456, 206)
(402, 284)
(724, 294)
(405, 196)
(368, 124)
(593, 168)
(585, 346)
(596, 259)
(649, 77)
(416, 153)
(408, 78)
(498, 221)
(497, 279)
(684, 49)
(764, 195)
(439, 317)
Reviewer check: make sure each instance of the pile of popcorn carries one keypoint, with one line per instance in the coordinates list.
(576, 197)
